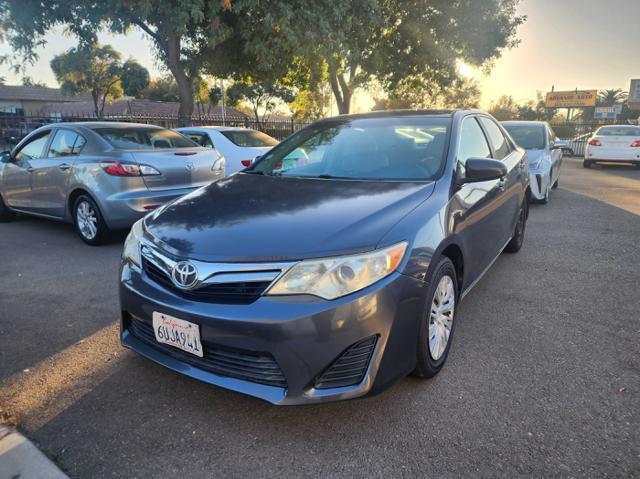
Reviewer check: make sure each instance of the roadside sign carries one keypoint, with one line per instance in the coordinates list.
(606, 112)
(570, 99)
(634, 94)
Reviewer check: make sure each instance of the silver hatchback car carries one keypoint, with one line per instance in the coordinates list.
(101, 175)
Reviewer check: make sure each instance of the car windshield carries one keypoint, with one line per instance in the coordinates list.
(529, 137)
(144, 138)
(618, 131)
(249, 138)
(386, 148)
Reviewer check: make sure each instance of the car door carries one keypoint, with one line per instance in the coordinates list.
(512, 191)
(480, 224)
(51, 172)
(17, 174)
(554, 154)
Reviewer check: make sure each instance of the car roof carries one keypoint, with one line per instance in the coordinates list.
(522, 122)
(93, 125)
(211, 127)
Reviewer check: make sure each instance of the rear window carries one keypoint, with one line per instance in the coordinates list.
(618, 131)
(249, 138)
(529, 137)
(144, 138)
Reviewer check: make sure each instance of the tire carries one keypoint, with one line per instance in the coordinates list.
(555, 185)
(5, 213)
(517, 240)
(88, 221)
(586, 164)
(437, 323)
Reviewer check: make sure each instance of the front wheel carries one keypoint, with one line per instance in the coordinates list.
(517, 239)
(88, 220)
(5, 213)
(586, 164)
(437, 322)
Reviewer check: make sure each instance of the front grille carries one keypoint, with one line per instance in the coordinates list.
(350, 367)
(250, 366)
(229, 293)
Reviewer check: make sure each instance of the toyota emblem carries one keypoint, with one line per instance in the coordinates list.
(184, 275)
(190, 166)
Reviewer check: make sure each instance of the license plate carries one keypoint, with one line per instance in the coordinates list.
(177, 333)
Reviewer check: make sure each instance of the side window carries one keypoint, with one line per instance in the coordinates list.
(66, 143)
(498, 141)
(35, 147)
(473, 143)
(201, 139)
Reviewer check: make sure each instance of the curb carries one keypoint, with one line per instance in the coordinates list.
(19, 458)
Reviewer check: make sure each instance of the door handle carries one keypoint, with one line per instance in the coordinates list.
(502, 184)
(64, 166)
(31, 169)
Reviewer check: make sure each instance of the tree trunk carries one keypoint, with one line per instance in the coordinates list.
(185, 85)
(96, 108)
(341, 91)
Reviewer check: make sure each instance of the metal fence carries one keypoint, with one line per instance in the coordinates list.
(15, 127)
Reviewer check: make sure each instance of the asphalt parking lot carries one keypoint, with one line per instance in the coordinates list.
(543, 377)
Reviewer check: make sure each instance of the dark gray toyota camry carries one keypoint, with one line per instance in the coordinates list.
(334, 265)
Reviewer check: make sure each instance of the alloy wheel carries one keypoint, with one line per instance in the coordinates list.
(87, 220)
(441, 317)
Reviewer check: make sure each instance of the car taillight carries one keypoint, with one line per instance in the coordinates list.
(246, 163)
(116, 168)
(594, 142)
(635, 144)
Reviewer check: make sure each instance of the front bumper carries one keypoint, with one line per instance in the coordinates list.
(540, 179)
(124, 208)
(304, 335)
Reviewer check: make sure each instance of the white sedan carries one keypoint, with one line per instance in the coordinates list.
(544, 153)
(239, 146)
(613, 143)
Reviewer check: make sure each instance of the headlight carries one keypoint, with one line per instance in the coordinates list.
(219, 166)
(131, 250)
(331, 278)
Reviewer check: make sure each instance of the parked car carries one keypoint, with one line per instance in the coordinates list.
(613, 143)
(101, 175)
(544, 153)
(239, 146)
(335, 264)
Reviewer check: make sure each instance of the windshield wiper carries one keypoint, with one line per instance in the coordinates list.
(254, 172)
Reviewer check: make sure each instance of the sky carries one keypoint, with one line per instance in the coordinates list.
(568, 44)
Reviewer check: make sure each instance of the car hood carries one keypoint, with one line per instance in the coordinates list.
(263, 218)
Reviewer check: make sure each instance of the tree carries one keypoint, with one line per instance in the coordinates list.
(307, 105)
(220, 37)
(134, 78)
(95, 69)
(215, 95)
(28, 81)
(392, 40)
(504, 108)
(161, 89)
(259, 97)
(420, 92)
(535, 110)
(611, 97)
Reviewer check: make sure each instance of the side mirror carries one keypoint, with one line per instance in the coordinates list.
(5, 156)
(482, 169)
